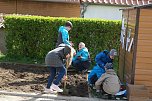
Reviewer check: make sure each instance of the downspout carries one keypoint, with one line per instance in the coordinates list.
(83, 8)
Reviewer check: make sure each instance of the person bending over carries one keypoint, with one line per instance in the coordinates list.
(54, 61)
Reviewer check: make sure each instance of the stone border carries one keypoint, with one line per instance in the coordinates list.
(50, 96)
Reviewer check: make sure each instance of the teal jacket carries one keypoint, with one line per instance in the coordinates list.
(64, 35)
(83, 53)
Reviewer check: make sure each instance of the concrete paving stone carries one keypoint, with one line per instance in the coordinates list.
(20, 96)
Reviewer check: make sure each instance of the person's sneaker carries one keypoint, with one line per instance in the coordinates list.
(56, 88)
(46, 90)
(97, 91)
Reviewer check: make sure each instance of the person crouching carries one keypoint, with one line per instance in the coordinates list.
(109, 81)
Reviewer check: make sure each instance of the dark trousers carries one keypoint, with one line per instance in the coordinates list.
(81, 65)
(93, 79)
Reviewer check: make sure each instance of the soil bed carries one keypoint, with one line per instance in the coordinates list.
(33, 78)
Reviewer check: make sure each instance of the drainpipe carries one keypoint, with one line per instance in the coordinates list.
(83, 8)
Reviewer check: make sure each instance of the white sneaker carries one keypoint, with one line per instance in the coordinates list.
(56, 88)
(46, 90)
(97, 91)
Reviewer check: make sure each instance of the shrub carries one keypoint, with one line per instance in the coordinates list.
(34, 36)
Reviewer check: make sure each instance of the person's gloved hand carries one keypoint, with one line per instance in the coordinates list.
(79, 57)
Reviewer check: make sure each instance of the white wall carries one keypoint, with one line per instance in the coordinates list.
(103, 12)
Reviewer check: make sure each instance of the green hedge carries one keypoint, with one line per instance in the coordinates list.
(34, 36)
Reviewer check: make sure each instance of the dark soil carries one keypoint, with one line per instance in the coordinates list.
(33, 78)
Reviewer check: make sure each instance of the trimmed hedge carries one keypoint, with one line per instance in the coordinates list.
(34, 36)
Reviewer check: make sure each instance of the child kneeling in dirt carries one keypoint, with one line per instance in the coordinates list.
(109, 81)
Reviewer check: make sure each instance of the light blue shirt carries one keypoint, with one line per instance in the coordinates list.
(83, 53)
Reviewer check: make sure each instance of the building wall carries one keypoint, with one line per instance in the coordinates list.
(143, 72)
(49, 9)
(7, 6)
(104, 12)
(40, 8)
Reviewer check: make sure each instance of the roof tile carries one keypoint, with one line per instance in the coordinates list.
(119, 2)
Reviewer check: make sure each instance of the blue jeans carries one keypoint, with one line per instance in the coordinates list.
(53, 74)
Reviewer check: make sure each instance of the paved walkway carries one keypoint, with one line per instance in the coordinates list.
(16, 96)
(19, 98)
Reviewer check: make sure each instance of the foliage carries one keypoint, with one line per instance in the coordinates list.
(34, 36)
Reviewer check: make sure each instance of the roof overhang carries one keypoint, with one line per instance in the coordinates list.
(143, 6)
(60, 1)
(118, 2)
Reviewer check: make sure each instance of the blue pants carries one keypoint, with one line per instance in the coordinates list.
(81, 65)
(97, 71)
(53, 74)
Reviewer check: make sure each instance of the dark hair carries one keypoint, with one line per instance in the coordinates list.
(68, 23)
(67, 50)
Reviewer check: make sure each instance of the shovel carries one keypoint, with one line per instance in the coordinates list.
(66, 91)
(68, 63)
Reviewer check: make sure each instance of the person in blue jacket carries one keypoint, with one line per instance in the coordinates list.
(81, 60)
(101, 59)
(63, 35)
